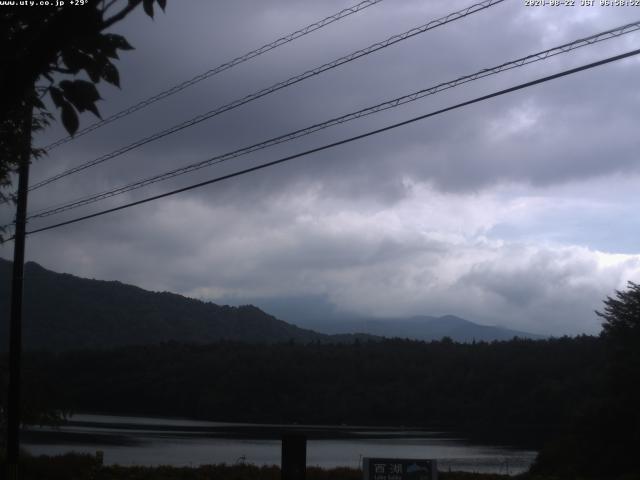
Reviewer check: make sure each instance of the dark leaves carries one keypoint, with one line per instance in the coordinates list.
(92, 54)
(148, 7)
(57, 97)
(117, 41)
(93, 69)
(37, 103)
(74, 59)
(108, 47)
(94, 58)
(82, 94)
(69, 118)
(110, 74)
(75, 95)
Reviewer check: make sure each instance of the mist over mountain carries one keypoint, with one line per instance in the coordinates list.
(62, 311)
(317, 313)
(422, 328)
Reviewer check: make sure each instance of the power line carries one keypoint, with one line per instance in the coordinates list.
(535, 57)
(219, 69)
(275, 87)
(345, 141)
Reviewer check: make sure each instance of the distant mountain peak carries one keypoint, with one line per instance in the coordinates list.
(65, 311)
(421, 327)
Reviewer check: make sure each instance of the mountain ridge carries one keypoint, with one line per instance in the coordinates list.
(421, 327)
(63, 311)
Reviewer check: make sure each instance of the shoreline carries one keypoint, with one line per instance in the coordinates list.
(150, 442)
(84, 466)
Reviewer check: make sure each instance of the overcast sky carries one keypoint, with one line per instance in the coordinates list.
(521, 211)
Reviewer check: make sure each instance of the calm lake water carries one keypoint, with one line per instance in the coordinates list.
(177, 442)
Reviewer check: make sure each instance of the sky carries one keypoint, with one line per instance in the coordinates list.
(519, 211)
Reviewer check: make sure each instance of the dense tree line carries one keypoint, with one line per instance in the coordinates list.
(487, 386)
(604, 438)
(582, 393)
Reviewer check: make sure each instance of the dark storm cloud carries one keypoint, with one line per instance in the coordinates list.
(394, 224)
(440, 55)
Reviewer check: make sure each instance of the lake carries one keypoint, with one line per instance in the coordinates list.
(181, 442)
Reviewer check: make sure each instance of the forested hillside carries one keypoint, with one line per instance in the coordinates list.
(62, 311)
(533, 385)
(421, 327)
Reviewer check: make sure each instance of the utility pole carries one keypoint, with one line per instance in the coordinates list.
(17, 282)
(294, 456)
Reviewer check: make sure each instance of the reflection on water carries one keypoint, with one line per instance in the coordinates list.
(160, 441)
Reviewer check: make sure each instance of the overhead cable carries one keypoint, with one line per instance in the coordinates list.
(275, 87)
(345, 141)
(214, 71)
(535, 57)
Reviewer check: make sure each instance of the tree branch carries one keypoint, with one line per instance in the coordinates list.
(107, 5)
(120, 15)
(62, 70)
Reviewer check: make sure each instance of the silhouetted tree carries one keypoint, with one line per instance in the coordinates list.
(605, 439)
(621, 328)
(621, 333)
(40, 48)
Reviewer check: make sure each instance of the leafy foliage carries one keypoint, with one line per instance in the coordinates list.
(12, 131)
(39, 47)
(621, 316)
(605, 438)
